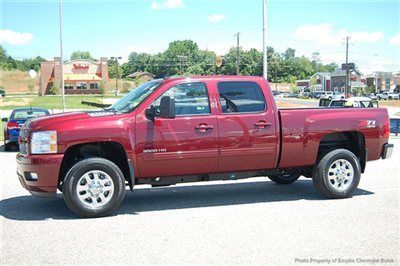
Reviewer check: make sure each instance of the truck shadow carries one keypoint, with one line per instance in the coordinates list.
(171, 198)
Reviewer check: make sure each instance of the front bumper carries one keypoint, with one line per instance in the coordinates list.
(39, 173)
(387, 151)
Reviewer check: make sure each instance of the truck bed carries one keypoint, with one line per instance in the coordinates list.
(302, 129)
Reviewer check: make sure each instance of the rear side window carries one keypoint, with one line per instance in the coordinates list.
(190, 99)
(241, 97)
(27, 114)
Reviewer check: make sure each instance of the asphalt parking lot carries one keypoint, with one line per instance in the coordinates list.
(251, 221)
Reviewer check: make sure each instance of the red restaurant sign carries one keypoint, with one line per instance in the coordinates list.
(81, 67)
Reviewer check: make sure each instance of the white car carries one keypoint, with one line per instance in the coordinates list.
(283, 95)
(332, 95)
(363, 102)
(387, 96)
(372, 96)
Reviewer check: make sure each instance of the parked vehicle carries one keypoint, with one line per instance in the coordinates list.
(362, 102)
(283, 95)
(18, 117)
(387, 96)
(372, 96)
(332, 95)
(196, 129)
(316, 95)
(2, 92)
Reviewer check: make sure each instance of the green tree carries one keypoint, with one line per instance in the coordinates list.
(81, 55)
(54, 87)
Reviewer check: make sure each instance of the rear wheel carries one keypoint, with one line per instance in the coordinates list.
(337, 174)
(94, 187)
(284, 179)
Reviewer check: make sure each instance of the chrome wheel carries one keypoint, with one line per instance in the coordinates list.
(95, 188)
(340, 175)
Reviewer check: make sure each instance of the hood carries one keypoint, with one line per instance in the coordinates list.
(54, 122)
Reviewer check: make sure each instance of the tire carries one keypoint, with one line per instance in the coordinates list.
(337, 174)
(94, 175)
(284, 179)
(7, 146)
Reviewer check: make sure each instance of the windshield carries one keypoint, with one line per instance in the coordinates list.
(135, 97)
(27, 114)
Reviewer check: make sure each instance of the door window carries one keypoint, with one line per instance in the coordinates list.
(241, 97)
(190, 99)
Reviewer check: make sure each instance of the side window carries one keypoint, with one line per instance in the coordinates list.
(190, 99)
(241, 97)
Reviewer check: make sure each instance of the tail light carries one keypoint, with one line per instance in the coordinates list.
(12, 125)
(386, 128)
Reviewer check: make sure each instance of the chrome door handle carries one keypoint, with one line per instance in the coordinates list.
(262, 124)
(203, 127)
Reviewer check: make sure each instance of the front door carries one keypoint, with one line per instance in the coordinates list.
(185, 145)
(247, 128)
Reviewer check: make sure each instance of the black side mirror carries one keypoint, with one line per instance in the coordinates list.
(151, 113)
(5, 119)
(167, 107)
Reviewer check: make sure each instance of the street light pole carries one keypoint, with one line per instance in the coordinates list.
(116, 73)
(347, 67)
(265, 62)
(237, 53)
(61, 56)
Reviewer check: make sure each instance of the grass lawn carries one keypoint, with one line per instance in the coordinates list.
(54, 102)
(391, 103)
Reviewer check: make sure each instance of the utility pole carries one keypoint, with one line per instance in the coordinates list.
(347, 67)
(61, 56)
(182, 59)
(116, 73)
(264, 27)
(237, 53)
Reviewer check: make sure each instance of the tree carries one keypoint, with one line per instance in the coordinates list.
(81, 55)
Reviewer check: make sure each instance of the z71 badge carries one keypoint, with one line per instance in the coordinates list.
(368, 124)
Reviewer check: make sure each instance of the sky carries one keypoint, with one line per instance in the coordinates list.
(116, 28)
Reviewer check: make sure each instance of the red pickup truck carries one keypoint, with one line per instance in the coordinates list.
(195, 129)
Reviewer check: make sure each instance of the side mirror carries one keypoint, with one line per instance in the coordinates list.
(167, 107)
(5, 119)
(151, 113)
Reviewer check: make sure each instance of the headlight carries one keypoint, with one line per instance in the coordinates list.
(44, 142)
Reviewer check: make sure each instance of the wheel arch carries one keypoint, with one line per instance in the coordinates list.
(109, 150)
(353, 141)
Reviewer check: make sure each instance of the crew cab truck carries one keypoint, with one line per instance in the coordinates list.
(195, 129)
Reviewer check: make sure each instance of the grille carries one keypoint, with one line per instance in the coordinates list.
(23, 139)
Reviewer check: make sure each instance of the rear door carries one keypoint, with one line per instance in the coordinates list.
(187, 144)
(248, 136)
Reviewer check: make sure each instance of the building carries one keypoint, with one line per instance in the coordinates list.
(322, 82)
(80, 76)
(303, 84)
(384, 81)
(338, 80)
(142, 76)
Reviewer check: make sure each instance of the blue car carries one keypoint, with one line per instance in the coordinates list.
(17, 118)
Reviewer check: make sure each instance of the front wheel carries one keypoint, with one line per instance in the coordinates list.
(284, 179)
(337, 174)
(94, 187)
(7, 146)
